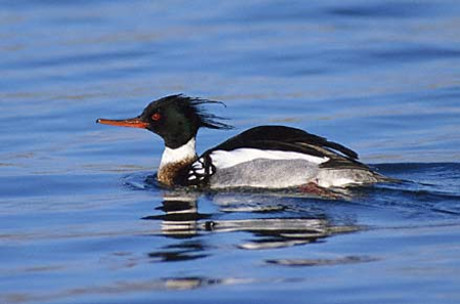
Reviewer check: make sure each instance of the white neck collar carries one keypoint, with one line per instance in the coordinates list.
(186, 151)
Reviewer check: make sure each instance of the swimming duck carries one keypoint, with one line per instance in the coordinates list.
(272, 157)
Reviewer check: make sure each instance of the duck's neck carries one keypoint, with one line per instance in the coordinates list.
(174, 160)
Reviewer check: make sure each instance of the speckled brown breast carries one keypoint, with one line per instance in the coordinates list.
(169, 172)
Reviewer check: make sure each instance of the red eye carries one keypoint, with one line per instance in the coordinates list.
(156, 116)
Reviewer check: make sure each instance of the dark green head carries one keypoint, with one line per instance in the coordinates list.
(176, 118)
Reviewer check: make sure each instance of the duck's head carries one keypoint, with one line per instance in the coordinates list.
(176, 118)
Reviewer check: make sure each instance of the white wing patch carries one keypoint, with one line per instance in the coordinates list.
(226, 159)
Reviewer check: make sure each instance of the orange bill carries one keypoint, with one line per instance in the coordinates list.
(132, 123)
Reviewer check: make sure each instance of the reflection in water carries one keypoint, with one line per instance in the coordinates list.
(189, 283)
(199, 282)
(280, 232)
(123, 288)
(322, 262)
(181, 219)
(181, 252)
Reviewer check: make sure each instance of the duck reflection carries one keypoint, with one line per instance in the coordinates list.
(269, 224)
(181, 216)
(180, 219)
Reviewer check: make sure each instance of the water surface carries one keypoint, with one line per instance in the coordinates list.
(81, 221)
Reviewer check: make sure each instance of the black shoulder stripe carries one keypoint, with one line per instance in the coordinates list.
(199, 172)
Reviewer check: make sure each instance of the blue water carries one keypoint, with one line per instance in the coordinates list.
(82, 222)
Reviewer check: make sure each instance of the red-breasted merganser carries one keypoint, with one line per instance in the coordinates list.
(273, 157)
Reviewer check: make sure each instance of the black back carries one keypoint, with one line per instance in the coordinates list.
(284, 139)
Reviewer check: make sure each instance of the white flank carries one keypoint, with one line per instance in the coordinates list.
(226, 159)
(186, 151)
(339, 182)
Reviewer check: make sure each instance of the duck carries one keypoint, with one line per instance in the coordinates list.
(267, 156)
